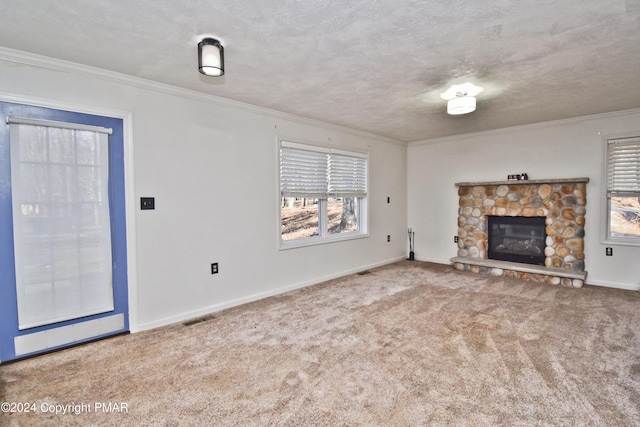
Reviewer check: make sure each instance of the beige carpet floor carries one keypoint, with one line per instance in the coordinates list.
(409, 344)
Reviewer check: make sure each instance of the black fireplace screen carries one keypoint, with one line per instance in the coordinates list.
(517, 239)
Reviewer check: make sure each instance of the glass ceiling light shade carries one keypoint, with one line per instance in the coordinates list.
(461, 104)
(211, 57)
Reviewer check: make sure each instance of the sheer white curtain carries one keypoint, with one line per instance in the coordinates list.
(61, 223)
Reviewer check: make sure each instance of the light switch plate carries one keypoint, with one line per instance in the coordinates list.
(147, 203)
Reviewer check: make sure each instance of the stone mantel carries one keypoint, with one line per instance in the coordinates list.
(523, 182)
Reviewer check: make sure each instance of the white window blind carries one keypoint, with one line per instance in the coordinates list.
(303, 171)
(309, 171)
(61, 221)
(623, 167)
(347, 175)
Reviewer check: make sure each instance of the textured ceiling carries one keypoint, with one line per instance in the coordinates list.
(377, 66)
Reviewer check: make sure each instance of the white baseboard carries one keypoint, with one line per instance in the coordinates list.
(255, 297)
(278, 291)
(443, 261)
(625, 286)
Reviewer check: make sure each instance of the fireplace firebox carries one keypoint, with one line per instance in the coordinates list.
(517, 239)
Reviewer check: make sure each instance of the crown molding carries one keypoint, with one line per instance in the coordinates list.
(40, 61)
(560, 122)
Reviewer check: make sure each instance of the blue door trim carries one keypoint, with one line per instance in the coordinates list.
(8, 302)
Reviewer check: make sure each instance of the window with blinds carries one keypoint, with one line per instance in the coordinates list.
(322, 193)
(623, 189)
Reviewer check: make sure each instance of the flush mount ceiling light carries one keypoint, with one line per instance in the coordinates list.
(211, 57)
(461, 98)
(461, 104)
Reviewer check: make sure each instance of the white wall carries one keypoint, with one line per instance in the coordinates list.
(212, 167)
(567, 149)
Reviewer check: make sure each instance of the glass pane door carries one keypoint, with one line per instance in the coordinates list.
(63, 246)
(62, 236)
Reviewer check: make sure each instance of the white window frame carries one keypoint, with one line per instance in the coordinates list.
(324, 235)
(609, 190)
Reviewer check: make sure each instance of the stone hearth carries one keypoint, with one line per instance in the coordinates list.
(561, 201)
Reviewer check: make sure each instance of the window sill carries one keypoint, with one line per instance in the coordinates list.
(315, 241)
(621, 242)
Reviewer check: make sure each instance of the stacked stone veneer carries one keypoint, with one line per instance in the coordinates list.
(561, 202)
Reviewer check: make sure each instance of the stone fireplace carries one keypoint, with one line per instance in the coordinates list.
(562, 204)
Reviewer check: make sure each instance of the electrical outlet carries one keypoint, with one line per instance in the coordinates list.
(455, 239)
(388, 237)
(214, 268)
(609, 251)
